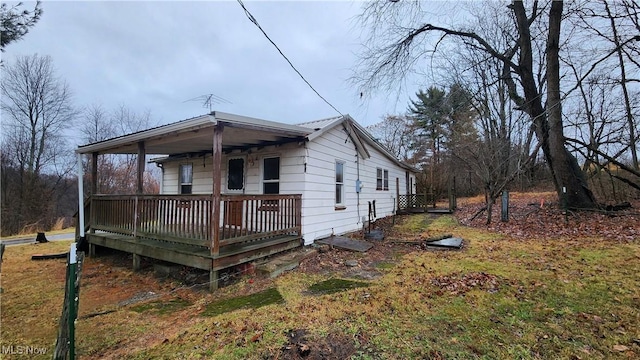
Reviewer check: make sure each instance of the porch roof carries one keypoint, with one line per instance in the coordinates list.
(195, 135)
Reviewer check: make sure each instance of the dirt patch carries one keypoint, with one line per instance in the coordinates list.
(302, 346)
(333, 285)
(340, 262)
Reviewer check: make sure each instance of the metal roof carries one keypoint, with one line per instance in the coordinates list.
(195, 135)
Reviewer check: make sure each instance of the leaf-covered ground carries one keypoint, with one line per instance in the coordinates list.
(540, 216)
(538, 295)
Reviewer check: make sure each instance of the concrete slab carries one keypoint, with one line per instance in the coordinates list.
(346, 243)
(450, 243)
(285, 262)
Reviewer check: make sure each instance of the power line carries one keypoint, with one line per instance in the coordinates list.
(255, 22)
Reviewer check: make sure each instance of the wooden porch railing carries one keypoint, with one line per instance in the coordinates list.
(186, 218)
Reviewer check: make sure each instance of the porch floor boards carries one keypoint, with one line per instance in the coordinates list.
(193, 255)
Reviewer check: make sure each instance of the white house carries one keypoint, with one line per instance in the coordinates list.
(278, 186)
(338, 168)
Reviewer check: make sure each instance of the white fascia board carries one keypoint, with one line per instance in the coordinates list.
(326, 128)
(177, 127)
(357, 140)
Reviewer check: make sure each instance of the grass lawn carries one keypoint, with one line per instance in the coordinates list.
(498, 298)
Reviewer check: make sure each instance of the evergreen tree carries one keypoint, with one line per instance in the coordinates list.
(16, 22)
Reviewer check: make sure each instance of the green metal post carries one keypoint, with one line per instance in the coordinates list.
(73, 266)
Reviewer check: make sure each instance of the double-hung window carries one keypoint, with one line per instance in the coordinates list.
(271, 175)
(385, 185)
(382, 179)
(186, 178)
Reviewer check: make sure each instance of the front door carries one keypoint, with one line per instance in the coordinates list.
(235, 184)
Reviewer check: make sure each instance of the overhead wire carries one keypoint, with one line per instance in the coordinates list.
(255, 22)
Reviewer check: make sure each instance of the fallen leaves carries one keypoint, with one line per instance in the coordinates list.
(457, 284)
(530, 220)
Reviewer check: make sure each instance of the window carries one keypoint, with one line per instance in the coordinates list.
(385, 186)
(235, 176)
(271, 175)
(339, 183)
(382, 179)
(186, 178)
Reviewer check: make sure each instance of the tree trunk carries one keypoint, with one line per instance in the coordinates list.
(548, 122)
(564, 166)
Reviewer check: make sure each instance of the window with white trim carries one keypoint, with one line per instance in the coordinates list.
(186, 178)
(339, 183)
(385, 185)
(271, 175)
(378, 179)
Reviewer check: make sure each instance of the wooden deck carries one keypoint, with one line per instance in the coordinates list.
(179, 229)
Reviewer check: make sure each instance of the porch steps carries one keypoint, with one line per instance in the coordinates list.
(285, 262)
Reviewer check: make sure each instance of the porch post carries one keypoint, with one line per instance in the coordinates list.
(141, 163)
(80, 197)
(94, 190)
(397, 204)
(140, 190)
(215, 217)
(94, 173)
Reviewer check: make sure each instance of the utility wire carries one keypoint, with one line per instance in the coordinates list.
(255, 22)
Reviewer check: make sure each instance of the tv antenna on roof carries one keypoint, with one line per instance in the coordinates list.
(208, 100)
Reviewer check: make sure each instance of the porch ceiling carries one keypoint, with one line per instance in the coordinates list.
(196, 136)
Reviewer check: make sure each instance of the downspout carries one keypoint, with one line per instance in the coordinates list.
(161, 166)
(358, 187)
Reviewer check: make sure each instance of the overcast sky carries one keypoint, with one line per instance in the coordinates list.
(157, 55)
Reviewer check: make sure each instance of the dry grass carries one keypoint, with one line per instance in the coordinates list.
(498, 298)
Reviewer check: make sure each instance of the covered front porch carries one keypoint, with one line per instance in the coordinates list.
(178, 228)
(210, 231)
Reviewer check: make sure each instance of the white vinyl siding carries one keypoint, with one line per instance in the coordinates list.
(310, 169)
(291, 171)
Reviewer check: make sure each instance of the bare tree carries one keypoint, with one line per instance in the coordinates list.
(528, 50)
(116, 173)
(36, 108)
(397, 134)
(96, 124)
(611, 25)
